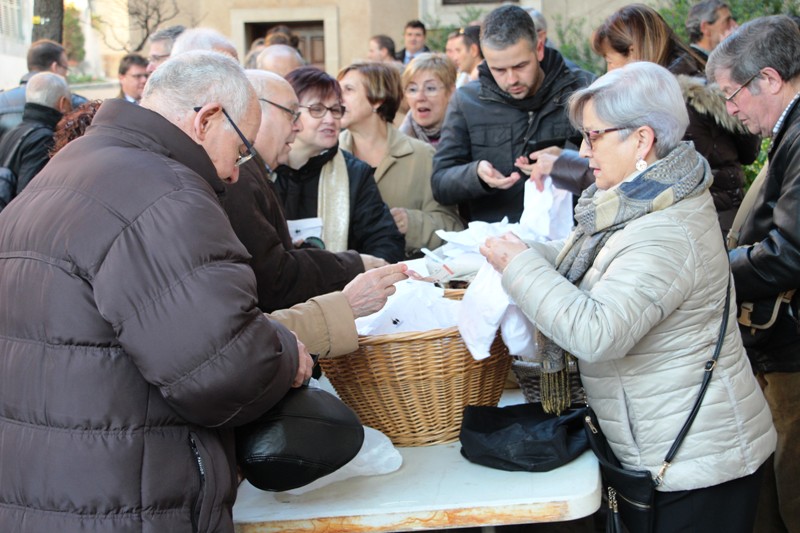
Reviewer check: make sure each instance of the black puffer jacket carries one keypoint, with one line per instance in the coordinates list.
(286, 275)
(134, 344)
(485, 123)
(372, 228)
(767, 260)
(33, 153)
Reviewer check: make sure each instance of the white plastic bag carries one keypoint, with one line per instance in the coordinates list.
(377, 456)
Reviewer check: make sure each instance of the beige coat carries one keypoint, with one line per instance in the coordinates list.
(404, 180)
(325, 324)
(643, 323)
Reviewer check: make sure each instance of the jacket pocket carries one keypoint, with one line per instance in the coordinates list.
(493, 143)
(203, 505)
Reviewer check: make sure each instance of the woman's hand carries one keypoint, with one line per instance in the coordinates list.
(499, 251)
(400, 215)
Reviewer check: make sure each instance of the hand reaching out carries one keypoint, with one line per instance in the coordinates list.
(494, 178)
(367, 293)
(541, 165)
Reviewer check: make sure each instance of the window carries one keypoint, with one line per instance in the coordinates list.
(11, 20)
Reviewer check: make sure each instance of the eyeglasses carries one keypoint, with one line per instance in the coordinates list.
(592, 135)
(295, 114)
(138, 76)
(319, 110)
(430, 91)
(250, 152)
(742, 86)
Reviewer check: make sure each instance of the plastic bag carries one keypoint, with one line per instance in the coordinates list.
(377, 456)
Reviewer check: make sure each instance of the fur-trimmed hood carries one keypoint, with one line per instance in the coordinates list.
(708, 101)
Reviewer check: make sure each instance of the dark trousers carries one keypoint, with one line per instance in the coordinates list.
(728, 507)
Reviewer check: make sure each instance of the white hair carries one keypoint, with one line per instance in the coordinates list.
(196, 78)
(279, 58)
(46, 88)
(638, 94)
(203, 39)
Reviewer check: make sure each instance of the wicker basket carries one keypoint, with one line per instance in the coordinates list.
(529, 373)
(413, 387)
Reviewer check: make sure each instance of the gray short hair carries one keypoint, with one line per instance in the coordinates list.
(705, 11)
(505, 26)
(199, 77)
(203, 39)
(763, 42)
(46, 88)
(538, 19)
(638, 94)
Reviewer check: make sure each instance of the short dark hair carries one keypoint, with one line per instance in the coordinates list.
(313, 80)
(472, 35)
(130, 60)
(415, 24)
(42, 54)
(505, 26)
(168, 34)
(384, 41)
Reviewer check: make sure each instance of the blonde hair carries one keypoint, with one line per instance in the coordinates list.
(439, 64)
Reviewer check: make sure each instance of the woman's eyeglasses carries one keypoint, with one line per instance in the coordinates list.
(430, 91)
(319, 110)
(592, 135)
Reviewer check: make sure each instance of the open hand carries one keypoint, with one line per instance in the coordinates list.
(494, 178)
(367, 293)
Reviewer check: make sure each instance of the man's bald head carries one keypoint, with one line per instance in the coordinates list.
(204, 39)
(278, 126)
(280, 59)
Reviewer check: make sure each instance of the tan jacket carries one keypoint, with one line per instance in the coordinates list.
(404, 180)
(325, 324)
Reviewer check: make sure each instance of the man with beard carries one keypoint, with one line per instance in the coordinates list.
(518, 107)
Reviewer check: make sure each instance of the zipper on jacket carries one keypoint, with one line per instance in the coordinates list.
(640, 505)
(588, 420)
(202, 470)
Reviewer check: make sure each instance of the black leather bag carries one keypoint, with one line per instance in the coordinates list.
(521, 437)
(310, 433)
(630, 493)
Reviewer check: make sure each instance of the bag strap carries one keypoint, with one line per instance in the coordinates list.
(746, 207)
(10, 156)
(709, 369)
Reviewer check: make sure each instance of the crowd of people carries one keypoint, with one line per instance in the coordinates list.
(161, 297)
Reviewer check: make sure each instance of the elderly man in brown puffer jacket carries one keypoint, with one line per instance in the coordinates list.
(130, 339)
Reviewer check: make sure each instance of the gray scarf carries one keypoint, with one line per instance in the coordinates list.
(682, 174)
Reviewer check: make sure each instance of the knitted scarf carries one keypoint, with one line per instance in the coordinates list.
(428, 135)
(682, 174)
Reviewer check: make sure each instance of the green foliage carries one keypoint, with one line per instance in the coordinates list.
(437, 34)
(74, 40)
(751, 171)
(676, 11)
(573, 38)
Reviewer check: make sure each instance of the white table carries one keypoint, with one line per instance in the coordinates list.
(435, 488)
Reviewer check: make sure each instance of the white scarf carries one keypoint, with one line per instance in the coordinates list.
(333, 203)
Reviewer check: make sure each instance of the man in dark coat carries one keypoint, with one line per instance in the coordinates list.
(758, 69)
(517, 106)
(43, 56)
(26, 148)
(134, 345)
(286, 275)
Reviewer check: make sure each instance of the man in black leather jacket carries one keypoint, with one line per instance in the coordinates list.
(517, 106)
(758, 68)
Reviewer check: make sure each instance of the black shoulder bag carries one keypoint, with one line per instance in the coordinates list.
(631, 492)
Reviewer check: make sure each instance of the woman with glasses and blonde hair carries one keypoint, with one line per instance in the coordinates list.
(637, 293)
(372, 93)
(321, 180)
(428, 82)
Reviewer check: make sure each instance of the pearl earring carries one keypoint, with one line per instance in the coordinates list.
(641, 164)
